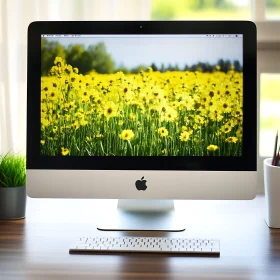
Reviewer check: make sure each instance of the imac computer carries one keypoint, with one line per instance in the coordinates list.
(143, 112)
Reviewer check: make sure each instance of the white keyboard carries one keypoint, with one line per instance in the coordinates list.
(147, 245)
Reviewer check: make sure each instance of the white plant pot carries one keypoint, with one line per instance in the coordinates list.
(272, 193)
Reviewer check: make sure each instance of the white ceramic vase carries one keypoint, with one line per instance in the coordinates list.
(272, 193)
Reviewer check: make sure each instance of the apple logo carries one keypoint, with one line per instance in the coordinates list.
(141, 184)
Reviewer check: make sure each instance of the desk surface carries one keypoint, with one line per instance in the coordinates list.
(37, 247)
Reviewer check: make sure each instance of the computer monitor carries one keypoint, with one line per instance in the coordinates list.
(142, 110)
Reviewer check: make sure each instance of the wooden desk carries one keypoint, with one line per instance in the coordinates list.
(37, 247)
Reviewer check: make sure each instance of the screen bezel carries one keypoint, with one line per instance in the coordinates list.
(246, 162)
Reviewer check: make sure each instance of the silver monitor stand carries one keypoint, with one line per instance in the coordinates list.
(143, 215)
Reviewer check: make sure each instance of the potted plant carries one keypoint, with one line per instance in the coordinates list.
(12, 186)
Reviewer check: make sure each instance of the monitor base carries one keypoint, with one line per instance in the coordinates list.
(143, 215)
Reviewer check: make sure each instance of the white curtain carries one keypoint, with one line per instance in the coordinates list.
(15, 16)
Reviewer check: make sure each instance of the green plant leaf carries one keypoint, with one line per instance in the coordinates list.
(12, 170)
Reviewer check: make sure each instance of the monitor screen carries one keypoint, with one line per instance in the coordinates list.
(141, 95)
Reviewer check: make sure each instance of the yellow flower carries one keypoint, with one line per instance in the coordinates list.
(212, 148)
(225, 106)
(170, 115)
(58, 61)
(132, 117)
(184, 136)
(239, 133)
(110, 110)
(42, 142)
(83, 122)
(163, 131)
(53, 96)
(126, 134)
(54, 129)
(232, 139)
(45, 122)
(216, 116)
(64, 151)
(76, 125)
(184, 128)
(198, 119)
(68, 69)
(225, 128)
(99, 135)
(164, 151)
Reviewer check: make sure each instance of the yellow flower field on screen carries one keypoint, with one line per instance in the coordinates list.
(177, 113)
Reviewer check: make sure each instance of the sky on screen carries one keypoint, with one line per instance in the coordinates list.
(131, 52)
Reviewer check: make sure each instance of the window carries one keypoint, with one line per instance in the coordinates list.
(269, 112)
(257, 10)
(201, 9)
(272, 11)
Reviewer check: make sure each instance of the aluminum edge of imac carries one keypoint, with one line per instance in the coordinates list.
(168, 178)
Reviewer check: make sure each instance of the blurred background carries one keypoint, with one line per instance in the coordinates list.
(211, 9)
(15, 16)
